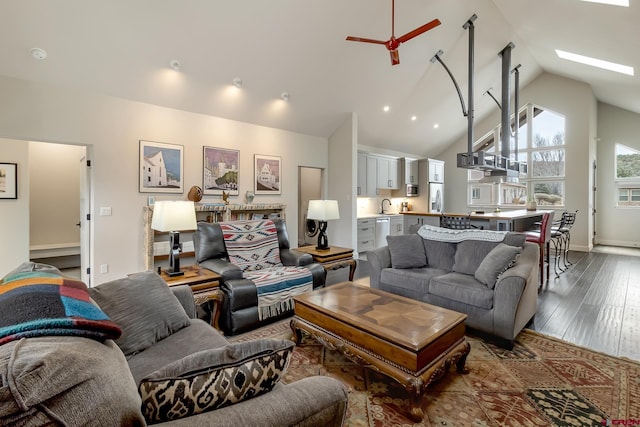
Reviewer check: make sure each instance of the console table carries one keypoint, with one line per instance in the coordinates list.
(205, 285)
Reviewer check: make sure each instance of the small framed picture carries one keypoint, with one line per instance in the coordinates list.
(267, 172)
(161, 167)
(220, 171)
(8, 180)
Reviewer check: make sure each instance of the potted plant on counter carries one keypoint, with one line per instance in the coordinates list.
(531, 204)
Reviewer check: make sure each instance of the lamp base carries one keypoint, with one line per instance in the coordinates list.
(323, 243)
(174, 255)
(174, 273)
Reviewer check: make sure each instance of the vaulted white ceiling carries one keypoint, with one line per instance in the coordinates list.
(123, 48)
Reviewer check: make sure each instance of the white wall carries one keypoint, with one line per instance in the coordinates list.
(342, 178)
(615, 226)
(54, 197)
(112, 128)
(14, 213)
(575, 101)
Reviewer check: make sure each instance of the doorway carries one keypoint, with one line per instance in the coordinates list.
(309, 188)
(59, 202)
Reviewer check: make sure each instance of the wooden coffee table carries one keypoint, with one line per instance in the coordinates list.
(412, 342)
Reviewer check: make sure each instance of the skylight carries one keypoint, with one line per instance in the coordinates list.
(624, 3)
(611, 66)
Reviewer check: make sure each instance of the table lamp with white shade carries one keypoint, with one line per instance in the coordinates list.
(174, 216)
(323, 211)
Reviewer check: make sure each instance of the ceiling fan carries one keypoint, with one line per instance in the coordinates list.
(393, 43)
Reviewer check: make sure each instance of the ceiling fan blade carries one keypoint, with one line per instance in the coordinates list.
(426, 27)
(395, 57)
(360, 39)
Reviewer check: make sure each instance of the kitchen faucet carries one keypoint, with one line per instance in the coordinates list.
(382, 205)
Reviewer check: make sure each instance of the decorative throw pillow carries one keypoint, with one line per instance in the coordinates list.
(211, 379)
(407, 251)
(470, 254)
(501, 258)
(143, 306)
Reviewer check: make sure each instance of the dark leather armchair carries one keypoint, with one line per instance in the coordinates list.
(239, 311)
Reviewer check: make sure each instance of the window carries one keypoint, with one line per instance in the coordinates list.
(627, 176)
(541, 144)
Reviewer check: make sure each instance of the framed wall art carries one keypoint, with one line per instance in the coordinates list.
(220, 171)
(8, 180)
(268, 170)
(161, 167)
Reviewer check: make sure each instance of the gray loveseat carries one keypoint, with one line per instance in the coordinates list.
(490, 276)
(71, 380)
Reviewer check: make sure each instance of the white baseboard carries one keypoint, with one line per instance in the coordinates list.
(623, 243)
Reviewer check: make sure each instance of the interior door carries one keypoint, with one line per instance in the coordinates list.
(309, 188)
(85, 219)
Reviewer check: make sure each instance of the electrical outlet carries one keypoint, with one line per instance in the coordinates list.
(104, 268)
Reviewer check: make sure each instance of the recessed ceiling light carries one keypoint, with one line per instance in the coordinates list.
(237, 82)
(624, 3)
(284, 96)
(611, 66)
(436, 126)
(385, 108)
(175, 64)
(38, 53)
(414, 118)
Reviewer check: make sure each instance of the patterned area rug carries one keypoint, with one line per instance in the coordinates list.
(541, 382)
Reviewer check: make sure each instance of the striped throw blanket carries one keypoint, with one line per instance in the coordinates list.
(253, 246)
(35, 304)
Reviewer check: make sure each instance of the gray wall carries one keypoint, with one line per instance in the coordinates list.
(615, 226)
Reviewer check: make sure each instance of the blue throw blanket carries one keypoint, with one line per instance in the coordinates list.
(34, 304)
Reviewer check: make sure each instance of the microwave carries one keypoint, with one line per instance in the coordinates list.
(412, 190)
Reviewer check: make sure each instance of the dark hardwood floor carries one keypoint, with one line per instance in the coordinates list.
(594, 304)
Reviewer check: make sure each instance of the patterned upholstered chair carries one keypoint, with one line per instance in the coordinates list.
(259, 272)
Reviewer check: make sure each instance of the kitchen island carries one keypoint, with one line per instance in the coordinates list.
(515, 220)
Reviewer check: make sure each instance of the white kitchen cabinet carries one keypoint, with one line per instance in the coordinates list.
(366, 234)
(410, 171)
(436, 170)
(396, 226)
(367, 175)
(372, 176)
(410, 220)
(377, 173)
(388, 173)
(362, 175)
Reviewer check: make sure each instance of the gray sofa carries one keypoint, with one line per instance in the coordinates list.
(71, 381)
(490, 276)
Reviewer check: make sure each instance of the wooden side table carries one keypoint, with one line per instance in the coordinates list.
(205, 285)
(333, 258)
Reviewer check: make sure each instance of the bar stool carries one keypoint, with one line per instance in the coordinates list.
(557, 238)
(565, 229)
(542, 237)
(457, 222)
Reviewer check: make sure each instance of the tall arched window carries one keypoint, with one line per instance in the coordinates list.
(541, 143)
